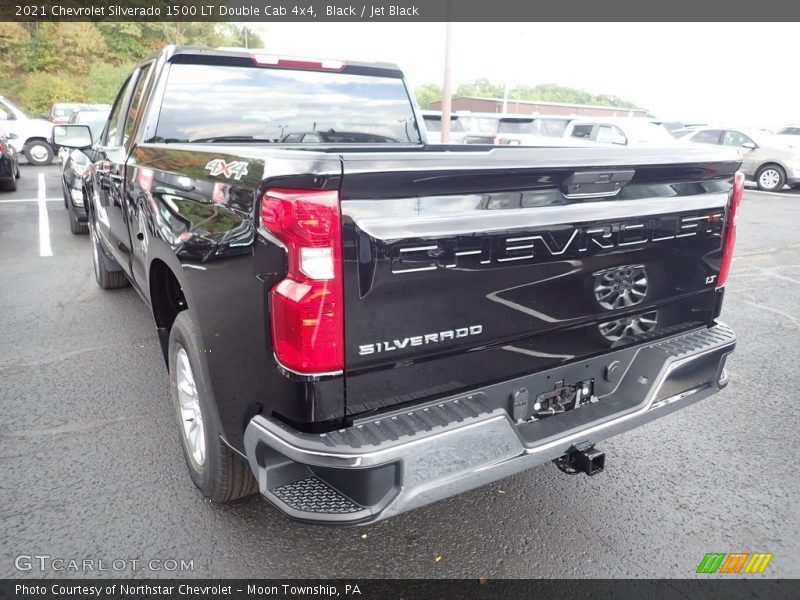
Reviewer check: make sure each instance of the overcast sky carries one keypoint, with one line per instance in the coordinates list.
(713, 72)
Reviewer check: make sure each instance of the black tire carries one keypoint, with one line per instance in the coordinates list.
(35, 148)
(76, 227)
(223, 475)
(771, 184)
(107, 272)
(8, 185)
(17, 174)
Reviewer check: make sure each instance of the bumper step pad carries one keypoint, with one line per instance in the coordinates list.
(312, 495)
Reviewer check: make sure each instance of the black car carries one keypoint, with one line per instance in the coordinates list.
(9, 165)
(73, 163)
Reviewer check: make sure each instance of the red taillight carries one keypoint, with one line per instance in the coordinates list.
(307, 307)
(730, 229)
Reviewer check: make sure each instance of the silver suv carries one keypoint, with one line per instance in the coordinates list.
(766, 159)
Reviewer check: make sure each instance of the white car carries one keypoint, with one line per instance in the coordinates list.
(627, 131)
(32, 135)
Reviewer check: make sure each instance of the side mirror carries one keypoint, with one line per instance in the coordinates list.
(72, 136)
(749, 145)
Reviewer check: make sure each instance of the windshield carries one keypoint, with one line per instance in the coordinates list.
(648, 133)
(216, 103)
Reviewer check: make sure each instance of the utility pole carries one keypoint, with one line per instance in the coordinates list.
(446, 92)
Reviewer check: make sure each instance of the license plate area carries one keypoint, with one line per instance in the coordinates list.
(562, 398)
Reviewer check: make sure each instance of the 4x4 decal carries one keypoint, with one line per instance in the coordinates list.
(218, 167)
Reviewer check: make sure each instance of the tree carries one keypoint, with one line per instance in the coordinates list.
(81, 45)
(42, 90)
(13, 42)
(238, 37)
(482, 88)
(105, 81)
(427, 93)
(43, 50)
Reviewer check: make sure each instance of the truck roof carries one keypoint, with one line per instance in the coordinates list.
(263, 58)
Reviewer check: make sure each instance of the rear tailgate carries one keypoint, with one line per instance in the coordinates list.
(466, 268)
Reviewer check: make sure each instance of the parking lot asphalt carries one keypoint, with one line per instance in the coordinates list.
(91, 467)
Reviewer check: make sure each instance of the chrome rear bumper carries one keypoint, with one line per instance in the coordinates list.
(386, 465)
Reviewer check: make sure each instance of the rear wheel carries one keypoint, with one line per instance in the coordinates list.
(770, 178)
(8, 185)
(107, 272)
(217, 471)
(38, 152)
(17, 174)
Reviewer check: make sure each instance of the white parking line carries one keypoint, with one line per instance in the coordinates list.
(44, 222)
(28, 200)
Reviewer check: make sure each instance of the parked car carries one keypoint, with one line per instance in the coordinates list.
(9, 164)
(433, 126)
(521, 130)
(61, 112)
(73, 162)
(621, 131)
(31, 135)
(766, 159)
(356, 332)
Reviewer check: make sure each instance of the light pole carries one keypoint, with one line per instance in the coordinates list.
(446, 92)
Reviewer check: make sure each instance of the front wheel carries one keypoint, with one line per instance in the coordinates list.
(770, 178)
(39, 153)
(217, 471)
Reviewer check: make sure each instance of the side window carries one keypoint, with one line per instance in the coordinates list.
(734, 138)
(311, 138)
(607, 134)
(709, 136)
(292, 138)
(113, 132)
(583, 132)
(136, 103)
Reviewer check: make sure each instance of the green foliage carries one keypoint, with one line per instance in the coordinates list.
(43, 89)
(14, 39)
(43, 63)
(427, 93)
(105, 80)
(545, 92)
(480, 87)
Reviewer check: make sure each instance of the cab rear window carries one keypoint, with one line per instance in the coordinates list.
(219, 103)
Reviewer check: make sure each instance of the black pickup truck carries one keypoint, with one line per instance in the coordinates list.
(357, 323)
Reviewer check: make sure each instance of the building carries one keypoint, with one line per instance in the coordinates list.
(528, 107)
